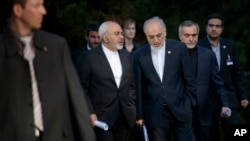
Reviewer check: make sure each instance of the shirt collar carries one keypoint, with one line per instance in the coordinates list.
(212, 45)
(108, 51)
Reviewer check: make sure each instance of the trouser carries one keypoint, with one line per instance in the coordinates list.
(181, 131)
(223, 126)
(119, 132)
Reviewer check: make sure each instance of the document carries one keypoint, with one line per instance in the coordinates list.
(145, 133)
(101, 125)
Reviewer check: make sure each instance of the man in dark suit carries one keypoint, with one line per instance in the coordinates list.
(107, 78)
(205, 68)
(64, 114)
(230, 71)
(165, 85)
(92, 39)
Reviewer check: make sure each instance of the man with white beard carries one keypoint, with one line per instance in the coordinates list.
(107, 78)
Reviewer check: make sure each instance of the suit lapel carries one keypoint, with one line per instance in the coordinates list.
(207, 44)
(223, 53)
(148, 58)
(105, 64)
(123, 64)
(168, 52)
(199, 64)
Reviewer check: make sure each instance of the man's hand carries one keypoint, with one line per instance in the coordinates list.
(244, 103)
(139, 122)
(93, 118)
(225, 112)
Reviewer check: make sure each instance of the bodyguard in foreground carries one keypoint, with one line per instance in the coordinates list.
(40, 95)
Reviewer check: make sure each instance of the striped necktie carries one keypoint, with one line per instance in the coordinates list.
(29, 55)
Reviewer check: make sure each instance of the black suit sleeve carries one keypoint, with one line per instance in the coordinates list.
(138, 80)
(237, 74)
(84, 71)
(217, 82)
(77, 99)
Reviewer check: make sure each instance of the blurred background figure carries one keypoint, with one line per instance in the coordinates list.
(41, 98)
(92, 39)
(129, 29)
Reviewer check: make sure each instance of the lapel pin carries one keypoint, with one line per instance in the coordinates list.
(224, 46)
(169, 52)
(45, 49)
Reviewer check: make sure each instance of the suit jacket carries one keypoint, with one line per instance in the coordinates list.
(99, 85)
(232, 75)
(177, 87)
(76, 54)
(208, 78)
(65, 112)
(136, 46)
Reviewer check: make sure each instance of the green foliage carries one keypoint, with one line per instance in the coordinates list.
(74, 17)
(72, 20)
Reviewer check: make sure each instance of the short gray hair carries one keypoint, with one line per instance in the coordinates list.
(104, 28)
(188, 23)
(153, 19)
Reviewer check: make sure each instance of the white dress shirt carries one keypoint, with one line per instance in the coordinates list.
(216, 50)
(115, 64)
(158, 58)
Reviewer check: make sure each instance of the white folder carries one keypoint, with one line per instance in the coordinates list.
(145, 133)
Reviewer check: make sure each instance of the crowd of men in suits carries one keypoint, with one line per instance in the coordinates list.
(181, 90)
(212, 92)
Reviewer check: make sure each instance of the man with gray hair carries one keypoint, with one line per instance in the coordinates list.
(165, 85)
(107, 78)
(205, 68)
